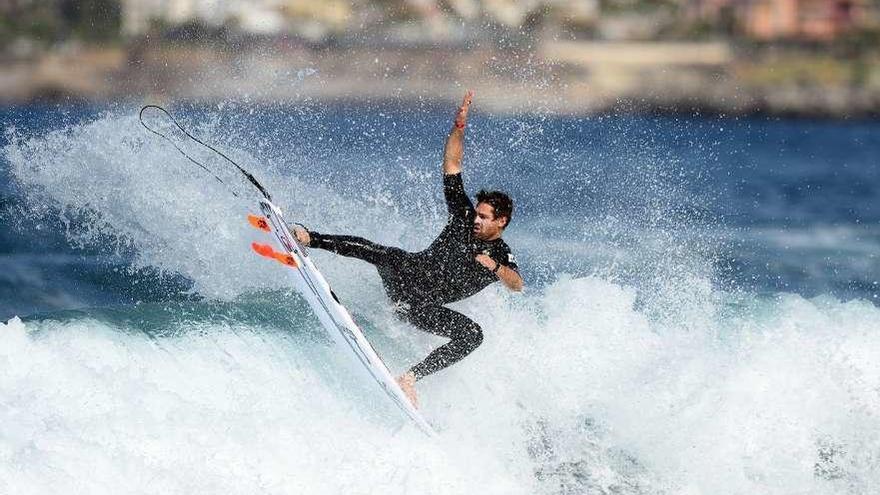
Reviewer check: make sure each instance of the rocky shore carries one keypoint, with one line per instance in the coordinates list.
(556, 78)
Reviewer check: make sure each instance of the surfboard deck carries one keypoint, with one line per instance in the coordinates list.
(334, 317)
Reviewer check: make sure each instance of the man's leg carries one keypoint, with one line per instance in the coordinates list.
(395, 266)
(354, 247)
(464, 335)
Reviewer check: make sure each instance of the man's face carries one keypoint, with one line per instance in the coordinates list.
(487, 227)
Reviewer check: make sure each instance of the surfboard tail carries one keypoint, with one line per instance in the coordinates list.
(259, 222)
(266, 251)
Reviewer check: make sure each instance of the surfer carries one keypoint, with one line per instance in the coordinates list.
(466, 257)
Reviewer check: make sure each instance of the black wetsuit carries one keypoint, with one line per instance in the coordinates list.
(421, 283)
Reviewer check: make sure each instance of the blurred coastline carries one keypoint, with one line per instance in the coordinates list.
(783, 57)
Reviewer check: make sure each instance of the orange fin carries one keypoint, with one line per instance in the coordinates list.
(263, 249)
(286, 259)
(266, 251)
(259, 222)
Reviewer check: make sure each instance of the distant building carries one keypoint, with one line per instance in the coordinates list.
(815, 20)
(802, 19)
(137, 15)
(264, 17)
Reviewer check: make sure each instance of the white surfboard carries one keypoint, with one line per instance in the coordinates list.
(335, 319)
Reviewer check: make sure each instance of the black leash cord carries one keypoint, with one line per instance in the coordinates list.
(215, 150)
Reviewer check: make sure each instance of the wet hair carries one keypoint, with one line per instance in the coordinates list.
(502, 205)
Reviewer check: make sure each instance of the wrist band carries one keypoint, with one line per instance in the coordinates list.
(497, 267)
(459, 126)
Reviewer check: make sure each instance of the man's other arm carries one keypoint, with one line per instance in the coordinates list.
(507, 275)
(510, 278)
(454, 149)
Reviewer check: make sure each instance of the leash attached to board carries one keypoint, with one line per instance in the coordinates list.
(244, 172)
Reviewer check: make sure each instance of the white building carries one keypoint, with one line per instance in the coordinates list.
(253, 16)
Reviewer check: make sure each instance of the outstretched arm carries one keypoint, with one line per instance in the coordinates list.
(454, 148)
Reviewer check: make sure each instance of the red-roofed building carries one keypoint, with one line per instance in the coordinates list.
(803, 19)
(817, 20)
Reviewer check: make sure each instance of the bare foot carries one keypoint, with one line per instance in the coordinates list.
(407, 382)
(302, 235)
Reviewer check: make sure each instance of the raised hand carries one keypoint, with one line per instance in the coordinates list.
(461, 116)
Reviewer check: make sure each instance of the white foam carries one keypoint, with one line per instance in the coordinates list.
(782, 398)
(89, 409)
(742, 405)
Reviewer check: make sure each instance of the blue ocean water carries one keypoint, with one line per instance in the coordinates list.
(700, 315)
(781, 206)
